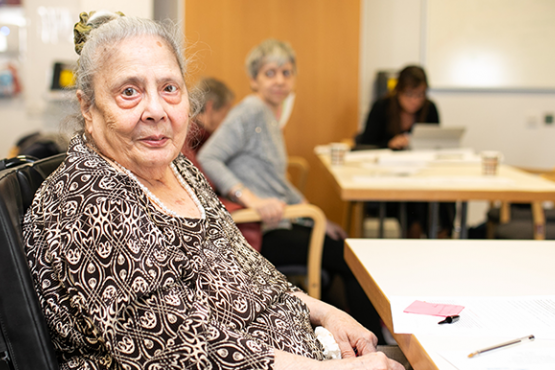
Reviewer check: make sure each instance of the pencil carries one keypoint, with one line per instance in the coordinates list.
(501, 345)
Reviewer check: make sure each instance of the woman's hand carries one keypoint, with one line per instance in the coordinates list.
(348, 333)
(371, 361)
(335, 231)
(400, 141)
(269, 209)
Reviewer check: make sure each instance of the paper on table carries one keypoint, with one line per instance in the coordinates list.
(537, 355)
(515, 316)
(466, 181)
(434, 309)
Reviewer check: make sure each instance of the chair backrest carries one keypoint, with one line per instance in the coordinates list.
(24, 333)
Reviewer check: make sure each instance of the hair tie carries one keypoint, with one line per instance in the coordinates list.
(83, 27)
(81, 31)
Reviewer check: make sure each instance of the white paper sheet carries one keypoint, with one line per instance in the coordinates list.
(534, 355)
(513, 316)
(466, 181)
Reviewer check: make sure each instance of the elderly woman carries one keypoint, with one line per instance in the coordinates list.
(136, 263)
(246, 159)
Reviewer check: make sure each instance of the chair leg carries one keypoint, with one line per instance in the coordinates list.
(490, 230)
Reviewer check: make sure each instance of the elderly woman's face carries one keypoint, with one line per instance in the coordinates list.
(274, 83)
(141, 111)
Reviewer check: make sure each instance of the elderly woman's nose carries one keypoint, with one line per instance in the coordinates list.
(280, 77)
(154, 108)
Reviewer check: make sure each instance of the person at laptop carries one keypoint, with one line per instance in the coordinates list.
(389, 122)
(391, 118)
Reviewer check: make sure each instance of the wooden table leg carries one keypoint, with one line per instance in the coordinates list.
(464, 229)
(539, 221)
(403, 219)
(381, 220)
(358, 218)
(505, 213)
(349, 217)
(433, 220)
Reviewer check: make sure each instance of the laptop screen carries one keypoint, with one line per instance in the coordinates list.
(430, 136)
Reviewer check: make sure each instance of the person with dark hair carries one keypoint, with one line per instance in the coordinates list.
(136, 264)
(217, 100)
(388, 125)
(392, 117)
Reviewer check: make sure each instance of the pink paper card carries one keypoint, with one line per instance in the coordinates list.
(434, 309)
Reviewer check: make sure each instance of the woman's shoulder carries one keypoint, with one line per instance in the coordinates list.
(383, 102)
(432, 114)
(250, 109)
(83, 175)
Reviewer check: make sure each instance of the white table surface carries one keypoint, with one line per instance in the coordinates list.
(402, 267)
(361, 181)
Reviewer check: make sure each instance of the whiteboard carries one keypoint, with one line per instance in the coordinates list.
(485, 44)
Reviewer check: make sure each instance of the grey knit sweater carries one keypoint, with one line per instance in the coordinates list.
(248, 148)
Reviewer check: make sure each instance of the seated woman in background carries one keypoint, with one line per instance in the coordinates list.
(391, 118)
(247, 160)
(389, 124)
(136, 263)
(215, 100)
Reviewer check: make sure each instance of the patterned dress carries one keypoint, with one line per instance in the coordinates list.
(125, 286)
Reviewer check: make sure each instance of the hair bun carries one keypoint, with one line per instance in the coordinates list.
(89, 21)
(81, 31)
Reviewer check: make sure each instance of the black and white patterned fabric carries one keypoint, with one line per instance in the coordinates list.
(125, 286)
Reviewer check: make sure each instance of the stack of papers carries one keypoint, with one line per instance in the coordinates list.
(424, 157)
(499, 318)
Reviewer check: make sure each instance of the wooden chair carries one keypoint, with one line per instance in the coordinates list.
(313, 270)
(505, 212)
(297, 172)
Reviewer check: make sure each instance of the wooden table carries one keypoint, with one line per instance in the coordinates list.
(402, 267)
(357, 182)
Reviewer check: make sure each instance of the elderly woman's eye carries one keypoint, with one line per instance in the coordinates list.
(129, 91)
(270, 73)
(170, 88)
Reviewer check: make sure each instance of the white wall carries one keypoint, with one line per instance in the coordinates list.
(49, 39)
(390, 39)
(509, 121)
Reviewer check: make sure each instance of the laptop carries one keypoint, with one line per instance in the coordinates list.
(427, 136)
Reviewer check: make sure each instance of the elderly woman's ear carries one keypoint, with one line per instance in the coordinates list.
(253, 84)
(85, 105)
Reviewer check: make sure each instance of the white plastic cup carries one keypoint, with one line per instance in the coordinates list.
(490, 162)
(338, 151)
